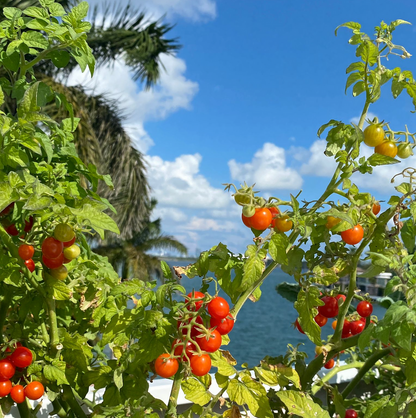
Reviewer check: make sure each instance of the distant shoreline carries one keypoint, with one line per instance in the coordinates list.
(187, 259)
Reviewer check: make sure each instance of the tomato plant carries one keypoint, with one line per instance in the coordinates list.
(26, 252)
(364, 309)
(354, 235)
(404, 151)
(283, 223)
(224, 325)
(5, 388)
(218, 308)
(21, 357)
(387, 148)
(211, 342)
(7, 369)
(330, 308)
(201, 364)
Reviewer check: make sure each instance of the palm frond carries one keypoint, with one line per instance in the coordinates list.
(129, 34)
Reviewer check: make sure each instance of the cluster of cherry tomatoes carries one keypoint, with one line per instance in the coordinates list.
(56, 251)
(59, 250)
(20, 358)
(351, 327)
(196, 340)
(375, 136)
(267, 217)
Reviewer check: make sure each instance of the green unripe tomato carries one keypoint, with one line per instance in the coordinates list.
(373, 135)
(63, 233)
(60, 273)
(249, 211)
(242, 199)
(404, 151)
(72, 252)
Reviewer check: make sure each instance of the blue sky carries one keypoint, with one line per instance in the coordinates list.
(243, 99)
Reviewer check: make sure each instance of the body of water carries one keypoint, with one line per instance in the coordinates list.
(265, 327)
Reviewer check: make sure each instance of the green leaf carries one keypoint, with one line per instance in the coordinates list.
(277, 375)
(37, 203)
(60, 59)
(353, 77)
(365, 338)
(301, 404)
(6, 195)
(35, 40)
(368, 52)
(195, 391)
(56, 374)
(167, 272)
(57, 289)
(378, 159)
(251, 393)
(253, 266)
(397, 87)
(324, 275)
(355, 66)
(358, 88)
(16, 157)
(350, 25)
(118, 378)
(277, 248)
(306, 307)
(374, 408)
(36, 12)
(29, 102)
(408, 235)
(224, 367)
(372, 271)
(11, 12)
(89, 215)
(402, 334)
(56, 9)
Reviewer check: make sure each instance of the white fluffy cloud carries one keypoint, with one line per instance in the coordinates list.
(178, 183)
(173, 92)
(318, 163)
(188, 9)
(267, 170)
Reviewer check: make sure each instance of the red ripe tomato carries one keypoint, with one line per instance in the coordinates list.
(21, 357)
(53, 263)
(7, 210)
(330, 309)
(246, 220)
(346, 329)
(34, 390)
(30, 264)
(299, 327)
(330, 364)
(357, 327)
(350, 413)
(26, 252)
(7, 369)
(5, 388)
(18, 394)
(52, 248)
(69, 243)
(218, 308)
(12, 230)
(29, 224)
(364, 309)
(353, 236)
(210, 343)
(376, 208)
(189, 350)
(261, 219)
(166, 366)
(223, 326)
(196, 295)
(321, 320)
(201, 365)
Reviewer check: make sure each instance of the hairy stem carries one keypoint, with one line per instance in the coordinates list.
(214, 401)
(53, 322)
(174, 393)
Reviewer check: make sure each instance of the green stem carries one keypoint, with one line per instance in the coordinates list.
(24, 68)
(24, 409)
(4, 307)
(355, 365)
(214, 401)
(72, 402)
(58, 409)
(370, 362)
(53, 322)
(174, 393)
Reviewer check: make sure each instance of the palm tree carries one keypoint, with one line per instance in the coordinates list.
(101, 138)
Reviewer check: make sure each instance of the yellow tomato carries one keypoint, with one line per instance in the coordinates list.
(283, 223)
(331, 221)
